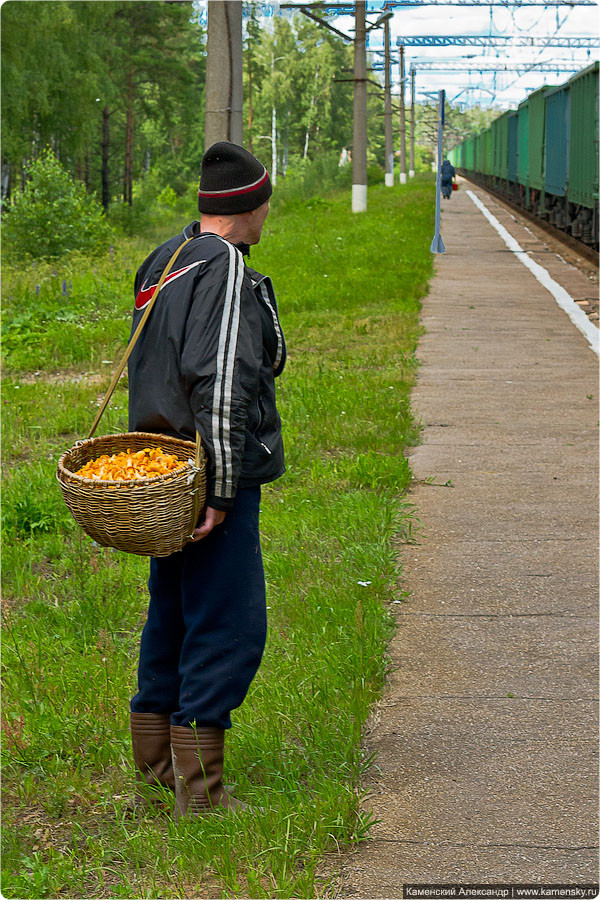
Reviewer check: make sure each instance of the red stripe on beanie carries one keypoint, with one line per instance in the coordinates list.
(237, 191)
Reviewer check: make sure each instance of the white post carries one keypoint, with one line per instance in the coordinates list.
(359, 198)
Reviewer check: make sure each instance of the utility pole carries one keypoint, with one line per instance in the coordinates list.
(437, 244)
(402, 121)
(359, 145)
(389, 144)
(411, 171)
(237, 73)
(224, 90)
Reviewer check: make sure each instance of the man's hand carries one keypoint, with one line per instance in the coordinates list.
(212, 517)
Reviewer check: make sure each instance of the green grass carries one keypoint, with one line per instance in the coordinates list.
(73, 612)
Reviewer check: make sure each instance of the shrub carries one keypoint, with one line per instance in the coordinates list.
(423, 159)
(167, 197)
(375, 174)
(54, 214)
(132, 220)
(310, 178)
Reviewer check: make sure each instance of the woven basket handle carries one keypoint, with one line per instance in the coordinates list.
(134, 338)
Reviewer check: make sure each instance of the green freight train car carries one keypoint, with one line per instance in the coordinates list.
(523, 145)
(537, 125)
(583, 153)
(544, 155)
(499, 139)
(512, 149)
(469, 158)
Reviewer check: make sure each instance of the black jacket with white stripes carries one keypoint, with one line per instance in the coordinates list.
(207, 359)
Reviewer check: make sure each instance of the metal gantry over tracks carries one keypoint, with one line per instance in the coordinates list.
(347, 9)
(505, 40)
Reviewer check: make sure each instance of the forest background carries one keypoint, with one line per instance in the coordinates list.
(116, 91)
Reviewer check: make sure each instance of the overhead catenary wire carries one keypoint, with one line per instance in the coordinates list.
(508, 25)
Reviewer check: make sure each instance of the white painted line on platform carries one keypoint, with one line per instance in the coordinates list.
(562, 297)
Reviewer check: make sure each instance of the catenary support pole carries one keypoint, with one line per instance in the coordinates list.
(223, 119)
(359, 146)
(389, 145)
(437, 244)
(402, 121)
(411, 171)
(236, 122)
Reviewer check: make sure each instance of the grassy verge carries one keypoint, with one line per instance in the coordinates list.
(349, 290)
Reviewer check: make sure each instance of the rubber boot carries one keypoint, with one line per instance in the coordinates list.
(198, 768)
(151, 742)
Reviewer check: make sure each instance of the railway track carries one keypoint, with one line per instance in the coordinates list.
(585, 250)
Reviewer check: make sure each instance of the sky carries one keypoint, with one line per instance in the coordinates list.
(502, 90)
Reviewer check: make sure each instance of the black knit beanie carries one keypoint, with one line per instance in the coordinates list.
(232, 181)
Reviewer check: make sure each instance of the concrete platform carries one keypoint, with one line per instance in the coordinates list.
(487, 735)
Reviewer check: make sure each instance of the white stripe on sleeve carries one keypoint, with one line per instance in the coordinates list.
(216, 412)
(228, 387)
(221, 414)
(265, 296)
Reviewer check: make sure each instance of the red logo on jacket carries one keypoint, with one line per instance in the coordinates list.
(145, 293)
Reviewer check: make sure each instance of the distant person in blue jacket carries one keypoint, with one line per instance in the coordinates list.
(447, 172)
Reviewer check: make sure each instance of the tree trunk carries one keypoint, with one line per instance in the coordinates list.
(274, 145)
(5, 182)
(286, 144)
(128, 173)
(87, 168)
(105, 150)
(310, 114)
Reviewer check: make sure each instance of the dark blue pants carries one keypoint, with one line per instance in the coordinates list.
(207, 623)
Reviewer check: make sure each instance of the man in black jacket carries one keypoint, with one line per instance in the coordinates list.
(206, 361)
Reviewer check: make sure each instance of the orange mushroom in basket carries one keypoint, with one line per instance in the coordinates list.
(146, 463)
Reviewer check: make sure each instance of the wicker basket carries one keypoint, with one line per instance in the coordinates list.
(146, 516)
